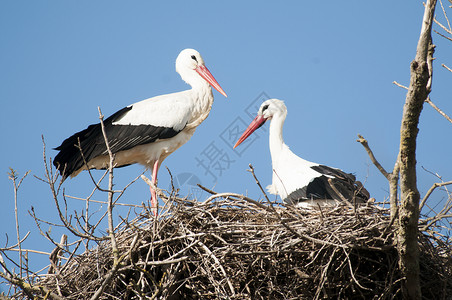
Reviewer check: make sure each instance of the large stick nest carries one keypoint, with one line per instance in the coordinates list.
(236, 248)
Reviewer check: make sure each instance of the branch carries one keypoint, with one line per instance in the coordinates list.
(446, 67)
(13, 176)
(400, 85)
(111, 232)
(51, 180)
(382, 170)
(16, 245)
(448, 30)
(437, 109)
(444, 36)
(393, 178)
(88, 169)
(258, 183)
(434, 186)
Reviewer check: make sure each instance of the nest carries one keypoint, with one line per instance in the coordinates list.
(233, 247)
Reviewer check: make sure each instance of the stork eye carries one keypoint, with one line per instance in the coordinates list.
(194, 57)
(264, 108)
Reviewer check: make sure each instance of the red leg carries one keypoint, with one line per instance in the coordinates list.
(154, 202)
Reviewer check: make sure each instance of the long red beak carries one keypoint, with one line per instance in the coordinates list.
(255, 124)
(205, 73)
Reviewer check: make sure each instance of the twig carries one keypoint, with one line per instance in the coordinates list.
(430, 191)
(353, 273)
(31, 251)
(88, 169)
(446, 67)
(446, 17)
(51, 180)
(206, 189)
(365, 144)
(442, 35)
(104, 202)
(399, 85)
(16, 245)
(437, 109)
(448, 30)
(258, 183)
(13, 177)
(111, 232)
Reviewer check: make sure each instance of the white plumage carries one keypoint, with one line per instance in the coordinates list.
(296, 180)
(148, 131)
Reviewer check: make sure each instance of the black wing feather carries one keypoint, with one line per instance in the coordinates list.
(341, 185)
(120, 138)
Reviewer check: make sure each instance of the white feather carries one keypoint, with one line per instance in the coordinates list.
(149, 111)
(290, 172)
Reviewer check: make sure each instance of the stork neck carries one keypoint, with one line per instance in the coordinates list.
(276, 138)
(199, 84)
(203, 95)
(202, 98)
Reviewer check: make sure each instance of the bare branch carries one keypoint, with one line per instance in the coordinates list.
(444, 36)
(437, 109)
(365, 144)
(111, 231)
(449, 30)
(258, 183)
(446, 67)
(13, 177)
(16, 245)
(400, 85)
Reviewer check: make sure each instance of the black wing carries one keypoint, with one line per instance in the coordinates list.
(339, 186)
(120, 137)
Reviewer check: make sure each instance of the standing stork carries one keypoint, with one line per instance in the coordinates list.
(298, 181)
(145, 132)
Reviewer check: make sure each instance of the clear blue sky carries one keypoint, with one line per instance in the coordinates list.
(332, 62)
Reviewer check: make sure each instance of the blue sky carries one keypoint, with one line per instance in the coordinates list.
(333, 63)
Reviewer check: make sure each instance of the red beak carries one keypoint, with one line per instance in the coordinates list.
(255, 124)
(205, 73)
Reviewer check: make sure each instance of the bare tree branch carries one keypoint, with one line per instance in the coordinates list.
(111, 165)
(258, 183)
(365, 144)
(430, 191)
(400, 85)
(438, 110)
(13, 177)
(446, 67)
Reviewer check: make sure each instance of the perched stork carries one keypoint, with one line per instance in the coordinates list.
(298, 181)
(145, 132)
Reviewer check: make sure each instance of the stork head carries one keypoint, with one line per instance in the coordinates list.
(191, 67)
(269, 109)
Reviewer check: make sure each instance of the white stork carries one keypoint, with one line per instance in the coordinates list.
(145, 132)
(298, 181)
